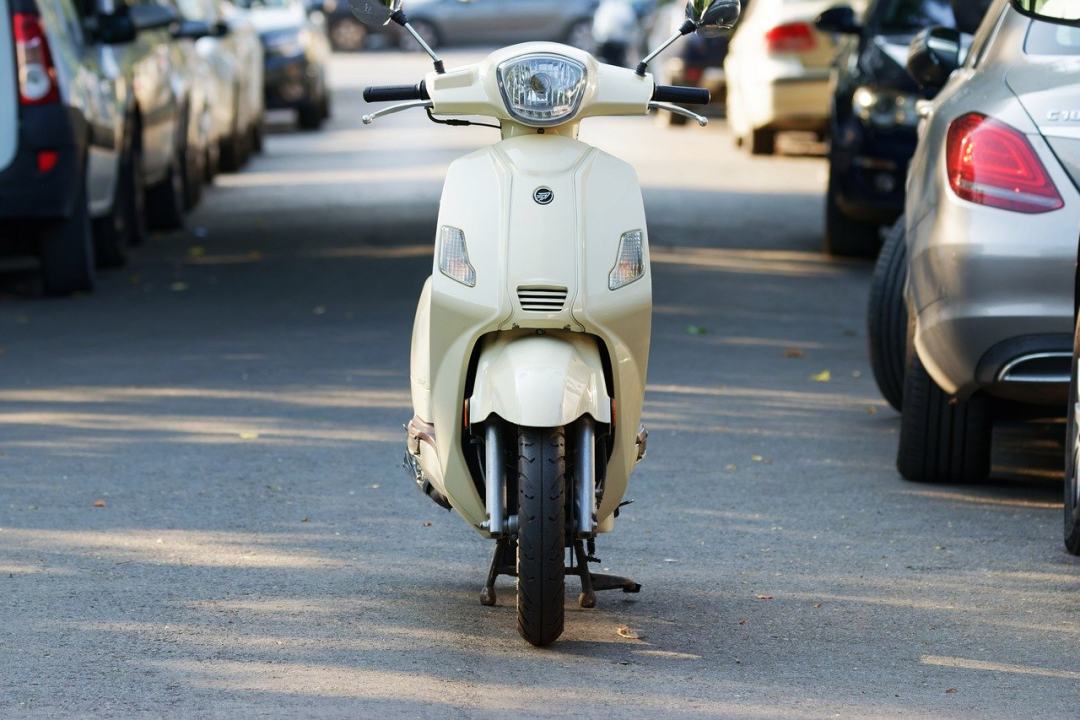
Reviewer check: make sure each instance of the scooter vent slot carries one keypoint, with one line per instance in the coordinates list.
(541, 299)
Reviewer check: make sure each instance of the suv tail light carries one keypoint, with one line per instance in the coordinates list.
(795, 37)
(991, 163)
(37, 74)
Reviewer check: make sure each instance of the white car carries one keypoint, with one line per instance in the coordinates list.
(231, 60)
(67, 153)
(777, 71)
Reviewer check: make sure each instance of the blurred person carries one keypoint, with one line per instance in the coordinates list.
(620, 29)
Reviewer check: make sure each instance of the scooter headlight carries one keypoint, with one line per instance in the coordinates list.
(454, 256)
(630, 262)
(541, 89)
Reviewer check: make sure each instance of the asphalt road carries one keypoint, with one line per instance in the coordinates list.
(203, 513)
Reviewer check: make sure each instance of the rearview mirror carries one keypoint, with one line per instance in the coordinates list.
(712, 15)
(375, 12)
(840, 19)
(934, 55)
(113, 29)
(192, 30)
(152, 16)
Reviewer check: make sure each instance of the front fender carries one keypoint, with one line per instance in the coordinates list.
(539, 380)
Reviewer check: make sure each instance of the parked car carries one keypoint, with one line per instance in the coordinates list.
(163, 106)
(873, 115)
(67, 164)
(777, 70)
(991, 224)
(453, 22)
(296, 51)
(230, 72)
(697, 61)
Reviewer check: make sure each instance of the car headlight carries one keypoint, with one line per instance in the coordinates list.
(541, 89)
(885, 108)
(454, 256)
(630, 262)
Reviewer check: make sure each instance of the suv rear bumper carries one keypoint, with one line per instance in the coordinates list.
(25, 192)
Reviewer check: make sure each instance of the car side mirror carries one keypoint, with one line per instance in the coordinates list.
(113, 29)
(152, 16)
(934, 55)
(192, 30)
(840, 20)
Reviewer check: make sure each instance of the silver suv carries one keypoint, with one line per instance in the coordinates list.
(991, 227)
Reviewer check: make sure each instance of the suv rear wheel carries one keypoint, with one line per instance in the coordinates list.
(942, 440)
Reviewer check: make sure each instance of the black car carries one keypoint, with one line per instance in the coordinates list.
(296, 52)
(874, 113)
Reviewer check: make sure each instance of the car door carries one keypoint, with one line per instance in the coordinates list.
(89, 91)
(466, 22)
(525, 20)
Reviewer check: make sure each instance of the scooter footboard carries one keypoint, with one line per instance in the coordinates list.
(540, 380)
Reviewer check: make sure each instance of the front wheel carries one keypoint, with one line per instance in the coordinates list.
(541, 533)
(1072, 456)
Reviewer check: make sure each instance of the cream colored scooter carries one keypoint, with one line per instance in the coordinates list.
(531, 338)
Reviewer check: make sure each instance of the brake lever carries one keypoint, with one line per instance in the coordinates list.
(679, 110)
(368, 119)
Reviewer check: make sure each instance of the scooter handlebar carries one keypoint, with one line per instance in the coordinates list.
(681, 94)
(392, 93)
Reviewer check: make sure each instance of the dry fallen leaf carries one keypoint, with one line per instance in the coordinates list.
(731, 468)
(628, 633)
(950, 691)
(743, 621)
(426, 523)
(306, 519)
(871, 410)
(764, 597)
(817, 605)
(794, 353)
(249, 436)
(757, 458)
(99, 503)
(822, 377)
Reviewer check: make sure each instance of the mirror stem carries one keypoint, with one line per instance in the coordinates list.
(687, 28)
(400, 18)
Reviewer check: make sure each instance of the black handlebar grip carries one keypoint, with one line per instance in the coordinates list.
(682, 95)
(390, 93)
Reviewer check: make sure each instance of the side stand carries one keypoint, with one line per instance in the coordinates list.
(503, 562)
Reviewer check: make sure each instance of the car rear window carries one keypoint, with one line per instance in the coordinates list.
(1049, 39)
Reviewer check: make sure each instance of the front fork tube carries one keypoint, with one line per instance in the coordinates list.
(499, 524)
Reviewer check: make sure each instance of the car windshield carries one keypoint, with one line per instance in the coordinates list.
(1049, 39)
(1053, 9)
(901, 15)
(912, 15)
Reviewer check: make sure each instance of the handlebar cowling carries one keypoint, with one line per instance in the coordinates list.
(392, 93)
(681, 94)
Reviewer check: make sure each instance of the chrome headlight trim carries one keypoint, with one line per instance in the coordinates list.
(577, 92)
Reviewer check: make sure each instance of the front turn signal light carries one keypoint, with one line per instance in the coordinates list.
(454, 256)
(630, 262)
